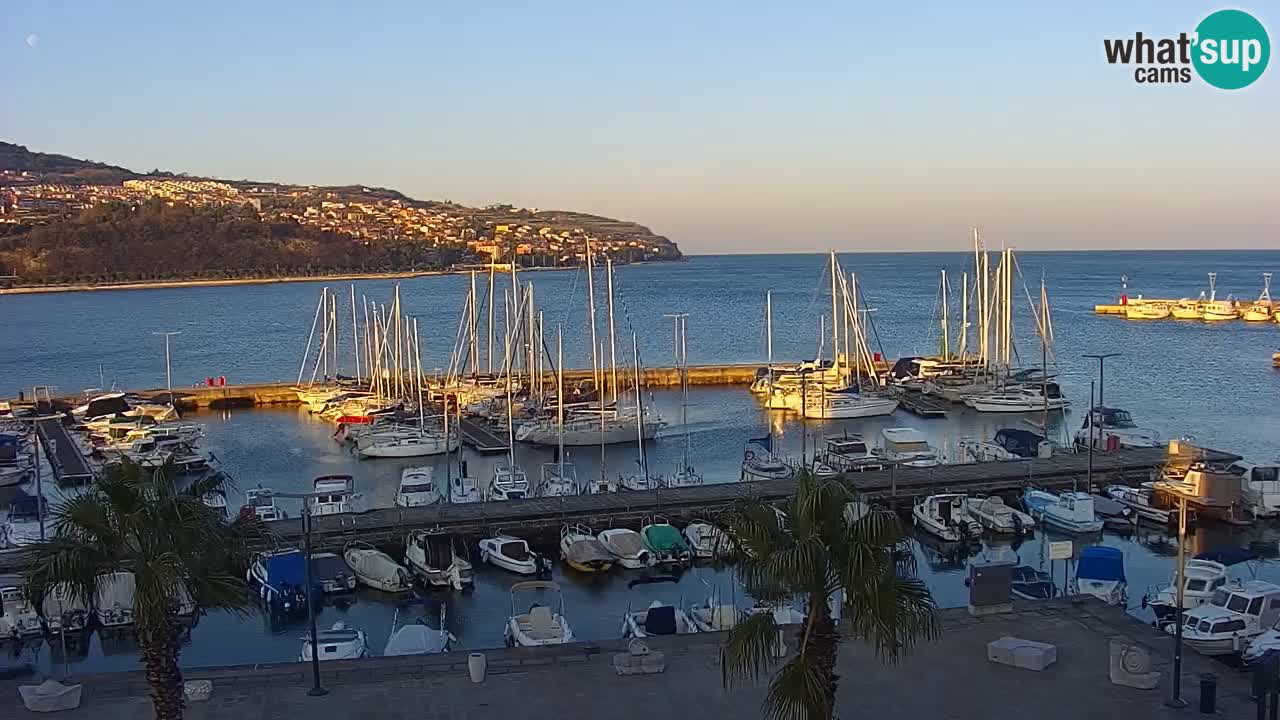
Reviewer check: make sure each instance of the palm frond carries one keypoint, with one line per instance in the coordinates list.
(798, 692)
(749, 650)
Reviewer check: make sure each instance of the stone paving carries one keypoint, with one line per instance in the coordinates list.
(949, 679)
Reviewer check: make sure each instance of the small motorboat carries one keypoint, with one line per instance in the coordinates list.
(260, 502)
(281, 577)
(656, 618)
(509, 483)
(333, 495)
(330, 573)
(418, 638)
(906, 446)
(993, 514)
(1201, 578)
(627, 546)
(339, 642)
(1105, 423)
(541, 625)
(1070, 511)
(582, 551)
(376, 569)
(1108, 508)
(417, 488)
(438, 558)
(18, 619)
(665, 542)
(1261, 486)
(1031, 584)
(511, 554)
(705, 540)
(1100, 573)
(113, 601)
(945, 516)
(1141, 501)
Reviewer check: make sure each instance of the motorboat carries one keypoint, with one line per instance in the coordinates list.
(418, 638)
(945, 516)
(281, 577)
(1146, 310)
(1237, 613)
(1219, 310)
(1100, 573)
(993, 514)
(1261, 486)
(417, 488)
(333, 495)
(1071, 511)
(1109, 509)
(1262, 308)
(657, 618)
(638, 481)
(906, 446)
(600, 485)
(18, 619)
(339, 642)
(438, 558)
(849, 453)
(1008, 444)
(664, 541)
(511, 554)
(1141, 501)
(558, 480)
(1214, 492)
(63, 610)
(1105, 423)
(540, 625)
(376, 569)
(582, 551)
(330, 573)
(1026, 398)
(113, 599)
(981, 451)
(260, 502)
(627, 546)
(1029, 583)
(509, 483)
(705, 540)
(1201, 579)
(21, 525)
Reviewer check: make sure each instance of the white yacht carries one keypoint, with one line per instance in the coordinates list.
(376, 569)
(339, 642)
(1100, 573)
(1141, 500)
(580, 550)
(1070, 511)
(509, 483)
(1027, 398)
(333, 496)
(463, 488)
(417, 487)
(705, 540)
(760, 463)
(849, 453)
(1235, 615)
(1261, 486)
(1201, 579)
(113, 600)
(993, 514)
(906, 446)
(438, 558)
(1105, 423)
(541, 625)
(945, 516)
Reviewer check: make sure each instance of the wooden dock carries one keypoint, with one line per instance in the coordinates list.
(69, 464)
(479, 438)
(928, 406)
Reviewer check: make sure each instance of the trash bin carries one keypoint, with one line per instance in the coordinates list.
(1208, 693)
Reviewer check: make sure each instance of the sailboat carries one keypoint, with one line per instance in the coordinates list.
(509, 481)
(559, 478)
(759, 461)
(1044, 397)
(404, 441)
(639, 480)
(685, 475)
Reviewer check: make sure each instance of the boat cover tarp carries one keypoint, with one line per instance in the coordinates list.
(1228, 555)
(107, 405)
(286, 568)
(373, 564)
(115, 590)
(438, 550)
(8, 440)
(588, 551)
(1101, 563)
(660, 620)
(1022, 443)
(664, 538)
(415, 639)
(904, 368)
(626, 544)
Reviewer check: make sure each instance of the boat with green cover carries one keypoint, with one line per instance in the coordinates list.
(665, 542)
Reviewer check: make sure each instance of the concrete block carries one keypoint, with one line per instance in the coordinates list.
(649, 664)
(1026, 654)
(985, 610)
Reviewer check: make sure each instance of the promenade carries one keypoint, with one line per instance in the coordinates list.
(944, 680)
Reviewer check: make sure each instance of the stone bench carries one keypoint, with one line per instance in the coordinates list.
(1026, 654)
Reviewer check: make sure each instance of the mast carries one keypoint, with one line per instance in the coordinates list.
(355, 333)
(306, 354)
(475, 340)
(368, 341)
(489, 346)
(529, 341)
(398, 335)
(857, 328)
(1044, 353)
(835, 322)
(560, 396)
(417, 354)
(613, 344)
(591, 310)
(635, 355)
(684, 388)
(946, 330)
(333, 320)
(768, 329)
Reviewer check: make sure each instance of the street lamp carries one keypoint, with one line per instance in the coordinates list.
(316, 690)
(168, 373)
(1102, 386)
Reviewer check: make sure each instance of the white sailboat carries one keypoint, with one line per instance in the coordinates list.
(639, 480)
(559, 479)
(685, 475)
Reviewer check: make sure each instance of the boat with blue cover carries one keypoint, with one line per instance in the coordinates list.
(1100, 573)
(281, 577)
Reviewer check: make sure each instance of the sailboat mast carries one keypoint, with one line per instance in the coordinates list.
(474, 337)
(529, 341)
(306, 354)
(355, 333)
(398, 339)
(835, 321)
(368, 341)
(1044, 352)
(489, 365)
(333, 320)
(613, 344)
(964, 315)
(684, 387)
(417, 356)
(857, 328)
(560, 396)
(635, 355)
(591, 311)
(946, 312)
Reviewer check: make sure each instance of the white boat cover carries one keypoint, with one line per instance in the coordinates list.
(115, 590)
(416, 639)
(375, 564)
(626, 544)
(588, 551)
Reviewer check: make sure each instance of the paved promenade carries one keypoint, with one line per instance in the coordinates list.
(949, 679)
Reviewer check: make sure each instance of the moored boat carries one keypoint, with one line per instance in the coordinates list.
(1100, 573)
(945, 516)
(375, 568)
(1070, 511)
(541, 625)
(582, 551)
(339, 642)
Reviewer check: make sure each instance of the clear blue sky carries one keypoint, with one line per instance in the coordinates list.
(729, 126)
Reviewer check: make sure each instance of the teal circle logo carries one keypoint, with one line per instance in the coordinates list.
(1232, 49)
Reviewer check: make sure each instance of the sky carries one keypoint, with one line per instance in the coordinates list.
(730, 127)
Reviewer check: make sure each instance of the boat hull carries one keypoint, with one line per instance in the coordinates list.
(585, 437)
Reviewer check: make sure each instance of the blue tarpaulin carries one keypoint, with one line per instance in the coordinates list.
(1228, 555)
(288, 568)
(1101, 563)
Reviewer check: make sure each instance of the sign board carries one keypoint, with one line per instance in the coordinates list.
(1060, 550)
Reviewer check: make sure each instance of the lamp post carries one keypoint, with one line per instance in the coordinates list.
(316, 689)
(168, 374)
(1175, 699)
(1102, 386)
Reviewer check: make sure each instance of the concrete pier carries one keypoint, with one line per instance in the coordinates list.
(946, 678)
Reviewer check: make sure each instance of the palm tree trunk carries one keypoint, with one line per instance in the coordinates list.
(160, 659)
(822, 646)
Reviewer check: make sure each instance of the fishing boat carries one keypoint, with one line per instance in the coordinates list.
(1104, 423)
(511, 554)
(508, 483)
(417, 488)
(627, 546)
(1029, 583)
(705, 540)
(330, 574)
(376, 569)
(1201, 579)
(1262, 308)
(1237, 613)
(906, 446)
(993, 514)
(945, 516)
(418, 638)
(339, 642)
(281, 577)
(540, 625)
(438, 558)
(1215, 493)
(1070, 511)
(1187, 309)
(18, 619)
(1261, 486)
(665, 542)
(333, 495)
(582, 551)
(1028, 398)
(1140, 309)
(260, 502)
(1100, 573)
(657, 618)
(1219, 310)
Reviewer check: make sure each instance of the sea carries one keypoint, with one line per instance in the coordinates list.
(1213, 383)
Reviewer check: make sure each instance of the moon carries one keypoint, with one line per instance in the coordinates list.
(33, 40)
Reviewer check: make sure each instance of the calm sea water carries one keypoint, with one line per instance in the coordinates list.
(1213, 382)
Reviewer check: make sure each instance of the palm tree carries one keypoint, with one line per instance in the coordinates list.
(817, 551)
(137, 521)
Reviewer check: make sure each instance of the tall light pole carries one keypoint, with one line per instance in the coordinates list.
(1175, 699)
(316, 690)
(168, 372)
(1094, 431)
